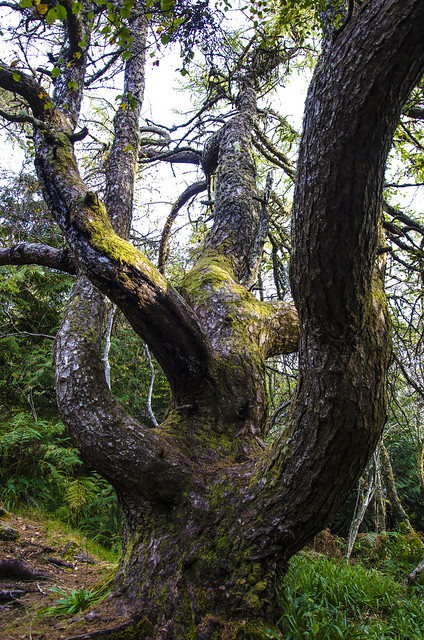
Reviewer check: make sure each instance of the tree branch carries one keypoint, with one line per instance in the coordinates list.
(183, 155)
(190, 192)
(402, 217)
(339, 408)
(127, 453)
(28, 88)
(275, 154)
(42, 254)
(23, 117)
(280, 332)
(414, 112)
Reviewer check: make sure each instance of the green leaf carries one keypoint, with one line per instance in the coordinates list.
(164, 38)
(16, 76)
(61, 12)
(167, 5)
(55, 72)
(25, 4)
(72, 85)
(48, 105)
(76, 7)
(125, 13)
(51, 15)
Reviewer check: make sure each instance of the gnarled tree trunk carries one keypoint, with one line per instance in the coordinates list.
(211, 515)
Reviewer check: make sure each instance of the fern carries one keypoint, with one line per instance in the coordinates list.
(40, 468)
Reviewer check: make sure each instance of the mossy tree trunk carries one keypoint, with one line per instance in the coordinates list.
(211, 514)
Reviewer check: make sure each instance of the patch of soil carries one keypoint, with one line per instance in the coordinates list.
(33, 563)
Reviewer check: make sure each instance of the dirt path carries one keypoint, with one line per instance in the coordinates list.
(33, 563)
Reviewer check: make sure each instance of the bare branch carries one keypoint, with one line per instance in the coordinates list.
(276, 156)
(42, 254)
(190, 192)
(150, 392)
(23, 117)
(402, 217)
(26, 334)
(414, 112)
(182, 155)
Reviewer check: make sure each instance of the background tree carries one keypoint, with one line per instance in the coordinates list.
(212, 515)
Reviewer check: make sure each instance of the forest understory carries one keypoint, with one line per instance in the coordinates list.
(55, 585)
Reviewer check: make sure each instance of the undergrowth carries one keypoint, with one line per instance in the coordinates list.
(327, 599)
(39, 468)
(74, 601)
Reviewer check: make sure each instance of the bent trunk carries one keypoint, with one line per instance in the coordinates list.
(211, 516)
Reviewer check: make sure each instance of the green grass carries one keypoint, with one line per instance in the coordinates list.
(57, 529)
(326, 599)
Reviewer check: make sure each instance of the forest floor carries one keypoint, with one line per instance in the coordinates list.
(36, 563)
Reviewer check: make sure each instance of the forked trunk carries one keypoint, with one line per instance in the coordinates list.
(211, 515)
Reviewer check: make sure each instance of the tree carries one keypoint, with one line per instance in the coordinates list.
(212, 515)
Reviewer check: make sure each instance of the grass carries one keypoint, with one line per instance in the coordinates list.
(327, 599)
(57, 529)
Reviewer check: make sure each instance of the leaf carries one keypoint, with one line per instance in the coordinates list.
(167, 5)
(16, 77)
(25, 4)
(61, 12)
(51, 15)
(76, 7)
(72, 85)
(55, 72)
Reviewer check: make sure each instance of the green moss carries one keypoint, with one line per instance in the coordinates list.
(211, 272)
(91, 217)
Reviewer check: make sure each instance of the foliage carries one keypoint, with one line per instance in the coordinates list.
(40, 468)
(31, 301)
(396, 553)
(130, 374)
(70, 603)
(403, 450)
(325, 599)
(23, 213)
(77, 599)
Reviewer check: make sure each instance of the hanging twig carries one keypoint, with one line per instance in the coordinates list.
(190, 192)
